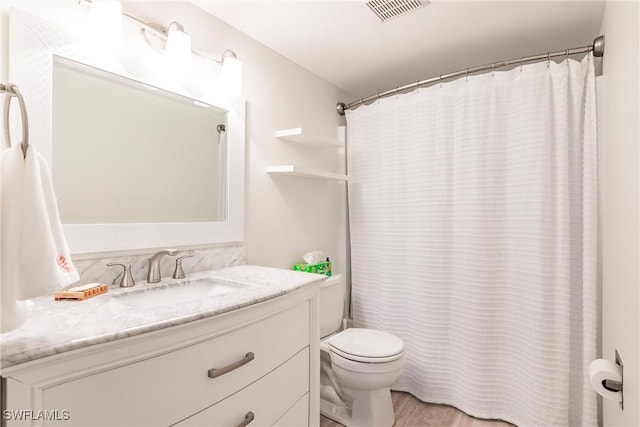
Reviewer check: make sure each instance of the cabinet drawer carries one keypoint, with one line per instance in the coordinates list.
(167, 388)
(267, 399)
(297, 416)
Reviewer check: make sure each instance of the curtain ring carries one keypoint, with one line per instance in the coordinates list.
(493, 69)
(396, 91)
(466, 75)
(418, 87)
(440, 80)
(548, 58)
(521, 61)
(378, 97)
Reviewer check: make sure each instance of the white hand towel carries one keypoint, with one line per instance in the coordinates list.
(13, 312)
(35, 254)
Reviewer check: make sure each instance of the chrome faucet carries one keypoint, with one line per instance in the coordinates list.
(154, 275)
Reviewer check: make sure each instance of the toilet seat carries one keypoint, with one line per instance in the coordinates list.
(366, 345)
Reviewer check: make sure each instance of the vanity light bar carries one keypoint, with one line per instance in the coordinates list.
(153, 29)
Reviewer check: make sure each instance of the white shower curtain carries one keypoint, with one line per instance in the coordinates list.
(473, 213)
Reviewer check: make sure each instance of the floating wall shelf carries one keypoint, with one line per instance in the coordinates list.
(299, 136)
(293, 170)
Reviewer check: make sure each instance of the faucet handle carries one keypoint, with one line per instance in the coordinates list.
(178, 273)
(127, 279)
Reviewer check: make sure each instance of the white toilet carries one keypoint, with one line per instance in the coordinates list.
(357, 365)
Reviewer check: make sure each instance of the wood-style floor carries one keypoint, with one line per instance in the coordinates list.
(411, 412)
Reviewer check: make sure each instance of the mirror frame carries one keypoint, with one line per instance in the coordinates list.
(32, 44)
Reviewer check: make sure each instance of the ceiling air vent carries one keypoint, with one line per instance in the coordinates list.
(389, 9)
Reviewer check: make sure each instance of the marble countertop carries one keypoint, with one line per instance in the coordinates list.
(58, 326)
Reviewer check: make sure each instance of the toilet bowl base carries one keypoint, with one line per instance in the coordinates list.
(337, 413)
(370, 409)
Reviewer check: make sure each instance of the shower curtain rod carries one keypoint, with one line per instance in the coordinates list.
(597, 47)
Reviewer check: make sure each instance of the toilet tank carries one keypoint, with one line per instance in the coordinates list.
(332, 293)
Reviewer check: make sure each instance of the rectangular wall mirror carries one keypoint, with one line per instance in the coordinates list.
(128, 152)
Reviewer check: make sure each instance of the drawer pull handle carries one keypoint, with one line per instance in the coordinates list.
(216, 372)
(247, 419)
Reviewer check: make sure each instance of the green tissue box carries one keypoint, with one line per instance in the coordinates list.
(319, 268)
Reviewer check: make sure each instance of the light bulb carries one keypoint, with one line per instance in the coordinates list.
(231, 76)
(177, 52)
(105, 26)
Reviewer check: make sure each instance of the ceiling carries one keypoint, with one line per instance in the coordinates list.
(346, 44)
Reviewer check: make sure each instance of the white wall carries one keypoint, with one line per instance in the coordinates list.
(285, 216)
(59, 11)
(620, 197)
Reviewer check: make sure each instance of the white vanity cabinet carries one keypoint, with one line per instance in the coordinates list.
(256, 365)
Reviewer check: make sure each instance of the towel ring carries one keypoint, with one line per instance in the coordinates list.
(11, 91)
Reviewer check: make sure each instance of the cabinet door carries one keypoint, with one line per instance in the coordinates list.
(165, 389)
(263, 402)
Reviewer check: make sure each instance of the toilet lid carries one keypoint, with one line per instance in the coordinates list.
(368, 344)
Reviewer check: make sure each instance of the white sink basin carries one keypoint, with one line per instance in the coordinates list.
(179, 293)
